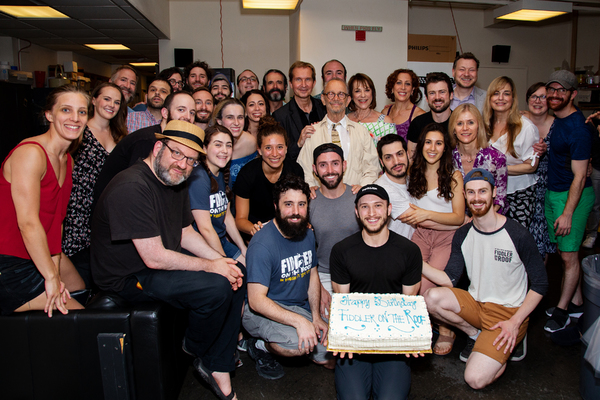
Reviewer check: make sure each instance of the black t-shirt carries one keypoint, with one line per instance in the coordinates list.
(135, 205)
(252, 184)
(419, 123)
(383, 269)
(132, 147)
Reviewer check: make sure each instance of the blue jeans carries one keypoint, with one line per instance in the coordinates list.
(215, 309)
(383, 376)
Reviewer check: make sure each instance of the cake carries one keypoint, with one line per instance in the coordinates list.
(378, 323)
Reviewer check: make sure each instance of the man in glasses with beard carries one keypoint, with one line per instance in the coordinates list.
(275, 85)
(282, 314)
(499, 256)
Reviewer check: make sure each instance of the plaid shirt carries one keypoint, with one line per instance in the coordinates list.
(140, 119)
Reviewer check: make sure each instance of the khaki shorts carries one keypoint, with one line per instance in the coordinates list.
(483, 316)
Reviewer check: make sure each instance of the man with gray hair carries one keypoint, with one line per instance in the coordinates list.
(353, 138)
(126, 78)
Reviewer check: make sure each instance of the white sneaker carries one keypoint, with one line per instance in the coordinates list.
(589, 241)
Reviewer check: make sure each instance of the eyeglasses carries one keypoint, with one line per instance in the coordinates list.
(340, 95)
(533, 97)
(248, 79)
(174, 83)
(551, 90)
(178, 156)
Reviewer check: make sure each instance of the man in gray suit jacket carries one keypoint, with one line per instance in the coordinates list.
(464, 72)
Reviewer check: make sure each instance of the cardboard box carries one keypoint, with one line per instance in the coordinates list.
(431, 48)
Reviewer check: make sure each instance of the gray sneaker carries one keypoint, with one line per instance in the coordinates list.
(520, 351)
(266, 365)
(466, 352)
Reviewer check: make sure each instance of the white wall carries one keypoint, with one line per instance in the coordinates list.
(322, 38)
(538, 49)
(251, 40)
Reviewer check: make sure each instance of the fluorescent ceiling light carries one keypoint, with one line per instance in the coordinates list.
(532, 10)
(271, 4)
(143, 64)
(32, 12)
(107, 47)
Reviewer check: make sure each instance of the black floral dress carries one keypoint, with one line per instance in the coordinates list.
(89, 160)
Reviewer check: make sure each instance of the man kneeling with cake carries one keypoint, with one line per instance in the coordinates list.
(284, 290)
(499, 255)
(372, 271)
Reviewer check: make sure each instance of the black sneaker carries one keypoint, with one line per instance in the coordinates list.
(266, 365)
(466, 352)
(559, 320)
(520, 350)
(575, 312)
(185, 349)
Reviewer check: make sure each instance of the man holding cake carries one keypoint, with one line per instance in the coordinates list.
(284, 290)
(500, 256)
(374, 260)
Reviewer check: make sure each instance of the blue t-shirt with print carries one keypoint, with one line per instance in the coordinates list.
(571, 140)
(282, 265)
(202, 199)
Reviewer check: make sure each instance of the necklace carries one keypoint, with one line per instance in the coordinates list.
(365, 117)
(463, 156)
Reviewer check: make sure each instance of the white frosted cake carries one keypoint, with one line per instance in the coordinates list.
(378, 323)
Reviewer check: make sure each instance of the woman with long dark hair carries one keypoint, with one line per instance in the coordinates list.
(105, 128)
(439, 209)
(257, 106)
(210, 195)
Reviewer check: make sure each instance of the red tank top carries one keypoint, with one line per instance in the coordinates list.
(53, 208)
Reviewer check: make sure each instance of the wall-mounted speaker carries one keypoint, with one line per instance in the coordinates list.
(500, 53)
(184, 57)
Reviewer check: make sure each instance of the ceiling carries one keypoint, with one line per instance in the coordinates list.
(116, 21)
(92, 22)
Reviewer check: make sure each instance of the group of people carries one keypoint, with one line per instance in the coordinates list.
(251, 213)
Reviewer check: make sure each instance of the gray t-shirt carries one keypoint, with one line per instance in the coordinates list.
(332, 220)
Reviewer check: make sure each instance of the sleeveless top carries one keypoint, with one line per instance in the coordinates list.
(402, 129)
(53, 208)
(236, 166)
(432, 202)
(89, 160)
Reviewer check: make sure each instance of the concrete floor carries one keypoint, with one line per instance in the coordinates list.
(548, 372)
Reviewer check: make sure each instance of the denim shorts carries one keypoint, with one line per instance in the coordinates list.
(20, 282)
(230, 249)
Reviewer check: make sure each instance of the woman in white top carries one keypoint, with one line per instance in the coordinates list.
(437, 189)
(514, 136)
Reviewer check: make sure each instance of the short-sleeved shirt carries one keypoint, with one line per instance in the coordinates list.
(400, 200)
(135, 205)
(282, 265)
(332, 220)
(419, 123)
(498, 263)
(571, 140)
(137, 120)
(202, 199)
(383, 269)
(252, 184)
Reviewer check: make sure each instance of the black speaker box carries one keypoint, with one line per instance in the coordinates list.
(500, 53)
(184, 57)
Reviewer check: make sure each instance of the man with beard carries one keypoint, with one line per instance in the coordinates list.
(140, 225)
(283, 286)
(126, 78)
(374, 260)
(362, 165)
(178, 106)
(464, 72)
(298, 116)
(392, 154)
(570, 195)
(275, 86)
(158, 90)
(246, 81)
(204, 106)
(499, 256)
(331, 211)
(438, 93)
(220, 87)
(197, 74)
